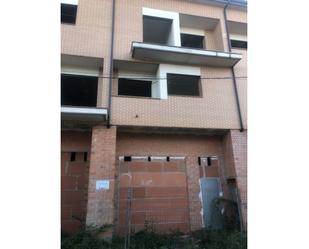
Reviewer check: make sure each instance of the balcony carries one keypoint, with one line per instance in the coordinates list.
(183, 55)
(91, 115)
(79, 92)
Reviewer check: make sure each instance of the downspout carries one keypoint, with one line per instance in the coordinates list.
(232, 68)
(238, 108)
(111, 67)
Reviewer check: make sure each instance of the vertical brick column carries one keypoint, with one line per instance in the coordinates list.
(100, 207)
(193, 176)
(236, 165)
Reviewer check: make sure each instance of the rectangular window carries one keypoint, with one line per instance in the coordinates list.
(79, 90)
(184, 85)
(68, 13)
(238, 44)
(73, 156)
(156, 30)
(131, 87)
(192, 41)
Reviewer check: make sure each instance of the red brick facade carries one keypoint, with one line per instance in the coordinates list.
(74, 179)
(100, 208)
(153, 192)
(74, 191)
(235, 154)
(154, 183)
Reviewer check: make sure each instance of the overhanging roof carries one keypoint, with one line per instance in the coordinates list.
(181, 55)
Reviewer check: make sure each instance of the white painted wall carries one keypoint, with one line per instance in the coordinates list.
(191, 31)
(80, 70)
(174, 38)
(238, 37)
(176, 69)
(72, 2)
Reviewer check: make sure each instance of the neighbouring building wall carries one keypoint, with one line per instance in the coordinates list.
(189, 146)
(100, 208)
(235, 154)
(241, 74)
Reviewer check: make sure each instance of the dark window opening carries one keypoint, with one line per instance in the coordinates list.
(68, 13)
(127, 159)
(156, 30)
(185, 85)
(77, 90)
(134, 87)
(192, 41)
(238, 44)
(149, 159)
(199, 160)
(85, 156)
(167, 158)
(73, 156)
(208, 161)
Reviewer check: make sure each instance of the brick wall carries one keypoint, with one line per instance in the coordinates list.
(159, 196)
(100, 208)
(74, 179)
(91, 37)
(235, 154)
(74, 191)
(190, 146)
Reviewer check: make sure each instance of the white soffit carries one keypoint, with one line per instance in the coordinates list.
(180, 69)
(171, 54)
(198, 22)
(238, 37)
(237, 27)
(191, 31)
(81, 65)
(72, 2)
(160, 13)
(83, 110)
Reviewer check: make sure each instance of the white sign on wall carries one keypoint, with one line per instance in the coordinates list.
(102, 185)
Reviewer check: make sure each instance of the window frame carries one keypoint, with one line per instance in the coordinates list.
(235, 40)
(203, 41)
(134, 96)
(75, 18)
(199, 85)
(80, 75)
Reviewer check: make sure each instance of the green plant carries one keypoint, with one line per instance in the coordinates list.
(86, 239)
(225, 215)
(220, 239)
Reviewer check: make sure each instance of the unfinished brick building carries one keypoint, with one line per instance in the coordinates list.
(153, 110)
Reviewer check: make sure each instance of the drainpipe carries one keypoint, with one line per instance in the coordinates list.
(233, 73)
(238, 108)
(111, 67)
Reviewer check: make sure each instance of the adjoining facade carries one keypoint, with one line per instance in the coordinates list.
(154, 112)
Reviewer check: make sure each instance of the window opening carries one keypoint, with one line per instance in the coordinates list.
(184, 85)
